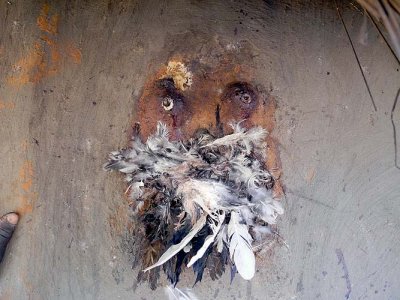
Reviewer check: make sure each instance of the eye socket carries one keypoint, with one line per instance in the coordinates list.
(167, 103)
(240, 93)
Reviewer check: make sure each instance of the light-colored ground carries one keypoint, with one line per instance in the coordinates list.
(69, 79)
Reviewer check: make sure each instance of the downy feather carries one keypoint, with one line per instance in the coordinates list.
(209, 195)
(265, 207)
(269, 211)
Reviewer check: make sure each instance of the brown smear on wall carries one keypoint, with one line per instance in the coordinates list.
(201, 102)
(46, 54)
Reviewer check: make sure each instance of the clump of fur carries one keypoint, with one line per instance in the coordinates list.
(202, 202)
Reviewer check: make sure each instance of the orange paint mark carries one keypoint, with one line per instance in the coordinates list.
(23, 188)
(27, 68)
(55, 59)
(26, 175)
(74, 53)
(45, 57)
(46, 23)
(6, 105)
(50, 42)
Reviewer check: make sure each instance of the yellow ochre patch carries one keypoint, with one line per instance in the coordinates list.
(181, 75)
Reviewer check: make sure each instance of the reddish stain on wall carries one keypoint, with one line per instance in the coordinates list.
(45, 57)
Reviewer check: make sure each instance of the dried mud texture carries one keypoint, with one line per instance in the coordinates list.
(206, 102)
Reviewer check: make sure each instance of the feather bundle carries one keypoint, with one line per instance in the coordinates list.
(201, 202)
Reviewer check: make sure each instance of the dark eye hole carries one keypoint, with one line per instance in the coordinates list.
(240, 93)
(167, 84)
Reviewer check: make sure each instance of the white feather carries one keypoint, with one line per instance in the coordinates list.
(174, 249)
(177, 294)
(240, 249)
(126, 167)
(256, 134)
(209, 239)
(253, 136)
(236, 126)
